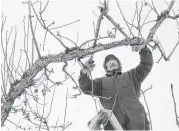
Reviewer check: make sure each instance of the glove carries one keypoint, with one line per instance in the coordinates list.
(137, 48)
(89, 66)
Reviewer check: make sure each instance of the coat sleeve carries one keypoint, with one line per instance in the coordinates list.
(85, 84)
(143, 69)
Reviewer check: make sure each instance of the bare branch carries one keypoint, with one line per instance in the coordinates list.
(158, 44)
(153, 8)
(42, 117)
(26, 56)
(34, 39)
(161, 18)
(84, 43)
(174, 17)
(124, 19)
(146, 18)
(117, 26)
(175, 107)
(143, 93)
(16, 125)
(64, 25)
(103, 10)
(58, 34)
(133, 19)
(139, 19)
(42, 23)
(173, 51)
(51, 104)
(76, 85)
(44, 7)
(66, 105)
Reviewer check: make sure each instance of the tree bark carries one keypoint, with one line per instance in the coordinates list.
(26, 81)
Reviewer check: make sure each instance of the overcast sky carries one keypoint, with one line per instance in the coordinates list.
(82, 109)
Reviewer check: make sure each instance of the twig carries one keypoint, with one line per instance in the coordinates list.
(84, 43)
(26, 56)
(103, 12)
(58, 34)
(94, 29)
(124, 19)
(48, 78)
(146, 18)
(64, 25)
(56, 124)
(147, 89)
(44, 7)
(159, 59)
(173, 51)
(34, 39)
(25, 43)
(158, 44)
(149, 22)
(154, 7)
(133, 19)
(147, 109)
(139, 19)
(42, 23)
(51, 104)
(175, 107)
(44, 40)
(163, 16)
(117, 26)
(11, 59)
(42, 112)
(64, 69)
(16, 125)
(174, 17)
(66, 106)
(6, 64)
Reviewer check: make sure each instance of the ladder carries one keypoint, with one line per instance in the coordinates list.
(102, 117)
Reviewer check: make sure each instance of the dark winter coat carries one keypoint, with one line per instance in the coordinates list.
(126, 88)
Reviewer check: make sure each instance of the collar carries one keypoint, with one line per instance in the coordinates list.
(114, 73)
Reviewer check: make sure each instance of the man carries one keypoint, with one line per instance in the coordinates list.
(123, 88)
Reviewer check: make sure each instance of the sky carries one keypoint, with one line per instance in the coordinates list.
(81, 109)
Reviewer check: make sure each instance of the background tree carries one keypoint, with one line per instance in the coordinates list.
(28, 83)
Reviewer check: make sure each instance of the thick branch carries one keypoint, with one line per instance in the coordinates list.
(161, 18)
(174, 17)
(116, 25)
(19, 87)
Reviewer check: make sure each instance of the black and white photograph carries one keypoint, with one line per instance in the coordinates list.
(89, 65)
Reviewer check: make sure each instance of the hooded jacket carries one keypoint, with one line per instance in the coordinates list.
(124, 91)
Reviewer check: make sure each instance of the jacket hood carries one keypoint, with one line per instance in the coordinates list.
(109, 57)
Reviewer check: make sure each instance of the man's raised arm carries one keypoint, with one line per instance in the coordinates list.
(145, 66)
(139, 73)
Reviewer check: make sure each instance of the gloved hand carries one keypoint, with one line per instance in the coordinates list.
(89, 66)
(137, 47)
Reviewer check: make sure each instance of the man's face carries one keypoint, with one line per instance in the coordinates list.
(112, 65)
